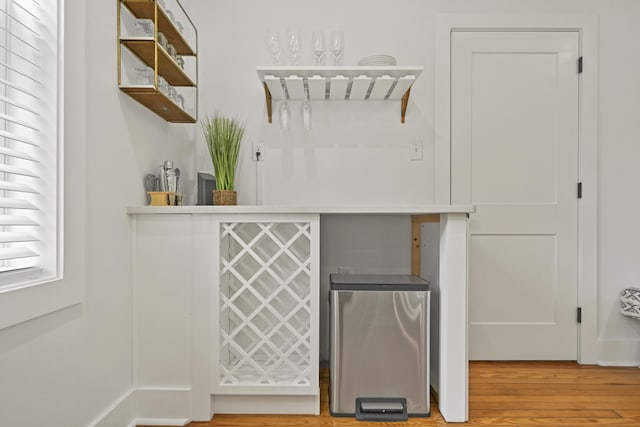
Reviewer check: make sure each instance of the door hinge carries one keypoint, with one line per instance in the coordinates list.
(579, 190)
(580, 65)
(579, 314)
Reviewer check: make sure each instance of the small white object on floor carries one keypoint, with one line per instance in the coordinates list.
(630, 300)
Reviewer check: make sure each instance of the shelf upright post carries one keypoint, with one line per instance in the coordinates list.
(119, 47)
(155, 44)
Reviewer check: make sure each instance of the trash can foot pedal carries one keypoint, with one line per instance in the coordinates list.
(381, 409)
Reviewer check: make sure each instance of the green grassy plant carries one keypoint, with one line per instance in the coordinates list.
(223, 136)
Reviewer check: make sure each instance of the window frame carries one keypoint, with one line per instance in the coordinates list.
(28, 294)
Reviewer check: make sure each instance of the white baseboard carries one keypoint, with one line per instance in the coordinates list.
(173, 405)
(148, 406)
(161, 422)
(121, 413)
(619, 353)
(265, 404)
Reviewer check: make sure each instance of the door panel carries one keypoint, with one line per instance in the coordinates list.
(514, 154)
(516, 268)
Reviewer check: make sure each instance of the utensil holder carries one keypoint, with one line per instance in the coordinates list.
(159, 198)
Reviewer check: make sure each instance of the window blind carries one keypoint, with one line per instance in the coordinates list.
(28, 134)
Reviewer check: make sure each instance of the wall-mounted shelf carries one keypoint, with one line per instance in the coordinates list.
(144, 64)
(159, 103)
(146, 9)
(167, 66)
(338, 83)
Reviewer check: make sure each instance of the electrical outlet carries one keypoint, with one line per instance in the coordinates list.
(416, 150)
(257, 154)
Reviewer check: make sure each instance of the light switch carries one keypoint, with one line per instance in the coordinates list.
(415, 148)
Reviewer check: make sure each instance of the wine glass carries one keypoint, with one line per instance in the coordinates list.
(305, 109)
(337, 46)
(273, 45)
(285, 115)
(293, 43)
(317, 45)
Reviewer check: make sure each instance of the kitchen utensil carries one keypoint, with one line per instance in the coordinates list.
(159, 198)
(150, 185)
(167, 177)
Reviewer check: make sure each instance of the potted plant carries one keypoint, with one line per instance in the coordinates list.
(223, 136)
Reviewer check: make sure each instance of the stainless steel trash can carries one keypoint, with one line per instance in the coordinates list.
(379, 339)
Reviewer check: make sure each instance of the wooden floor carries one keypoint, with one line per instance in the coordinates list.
(507, 394)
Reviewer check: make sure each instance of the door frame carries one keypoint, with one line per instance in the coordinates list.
(587, 27)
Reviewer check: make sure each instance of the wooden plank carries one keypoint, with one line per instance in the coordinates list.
(160, 104)
(615, 404)
(551, 406)
(543, 413)
(628, 412)
(415, 248)
(567, 388)
(426, 218)
(416, 220)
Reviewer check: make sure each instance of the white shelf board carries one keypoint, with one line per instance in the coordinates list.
(342, 83)
(347, 71)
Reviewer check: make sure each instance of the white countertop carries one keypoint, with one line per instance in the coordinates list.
(337, 210)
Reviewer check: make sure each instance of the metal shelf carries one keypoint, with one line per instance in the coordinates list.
(167, 67)
(152, 54)
(146, 9)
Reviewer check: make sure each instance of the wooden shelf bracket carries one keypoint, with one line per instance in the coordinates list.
(267, 96)
(403, 105)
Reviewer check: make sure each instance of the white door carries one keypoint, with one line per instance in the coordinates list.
(514, 154)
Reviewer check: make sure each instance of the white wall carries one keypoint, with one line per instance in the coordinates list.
(64, 369)
(357, 152)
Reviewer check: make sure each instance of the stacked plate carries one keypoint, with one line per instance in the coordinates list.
(377, 61)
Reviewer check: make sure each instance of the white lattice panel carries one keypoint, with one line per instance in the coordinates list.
(265, 304)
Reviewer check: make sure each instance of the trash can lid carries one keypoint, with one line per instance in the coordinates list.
(378, 282)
